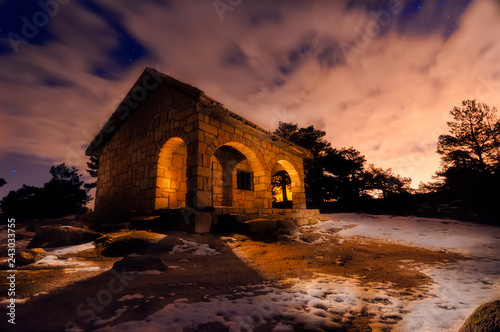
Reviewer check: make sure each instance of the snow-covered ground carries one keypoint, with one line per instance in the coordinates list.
(458, 287)
(462, 237)
(326, 301)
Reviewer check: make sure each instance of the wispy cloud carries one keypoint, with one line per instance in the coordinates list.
(388, 99)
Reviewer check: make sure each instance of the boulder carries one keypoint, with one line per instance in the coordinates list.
(30, 256)
(135, 262)
(128, 243)
(286, 224)
(486, 318)
(164, 245)
(260, 226)
(58, 236)
(309, 237)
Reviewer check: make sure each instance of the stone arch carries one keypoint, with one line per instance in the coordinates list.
(245, 146)
(224, 177)
(292, 171)
(175, 132)
(171, 174)
(297, 185)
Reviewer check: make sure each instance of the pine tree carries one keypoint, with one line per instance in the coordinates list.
(470, 151)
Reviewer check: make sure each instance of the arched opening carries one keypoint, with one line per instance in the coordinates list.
(282, 189)
(171, 175)
(237, 177)
(285, 183)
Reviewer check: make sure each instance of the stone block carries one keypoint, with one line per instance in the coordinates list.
(174, 185)
(177, 160)
(301, 221)
(227, 127)
(313, 220)
(207, 128)
(322, 217)
(201, 222)
(163, 183)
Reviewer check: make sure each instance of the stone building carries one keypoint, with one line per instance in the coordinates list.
(170, 146)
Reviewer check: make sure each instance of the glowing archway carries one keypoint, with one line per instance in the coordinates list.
(291, 188)
(171, 175)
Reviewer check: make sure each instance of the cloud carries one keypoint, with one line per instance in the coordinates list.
(389, 98)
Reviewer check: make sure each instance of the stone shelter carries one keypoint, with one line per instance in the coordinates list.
(170, 146)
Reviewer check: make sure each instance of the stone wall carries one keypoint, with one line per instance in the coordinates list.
(129, 163)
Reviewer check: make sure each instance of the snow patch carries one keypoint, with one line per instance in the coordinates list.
(52, 260)
(436, 234)
(72, 249)
(5, 303)
(197, 248)
(459, 289)
(82, 269)
(117, 315)
(130, 297)
(149, 272)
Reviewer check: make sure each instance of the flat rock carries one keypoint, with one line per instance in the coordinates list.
(135, 262)
(309, 237)
(30, 256)
(260, 226)
(164, 245)
(58, 236)
(486, 318)
(133, 242)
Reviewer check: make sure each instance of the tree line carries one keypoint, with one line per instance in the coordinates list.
(339, 178)
(465, 186)
(340, 175)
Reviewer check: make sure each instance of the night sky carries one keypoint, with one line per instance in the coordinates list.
(379, 76)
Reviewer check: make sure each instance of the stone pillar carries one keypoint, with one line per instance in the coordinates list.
(199, 183)
(299, 199)
(263, 190)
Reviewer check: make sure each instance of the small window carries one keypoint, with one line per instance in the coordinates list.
(244, 180)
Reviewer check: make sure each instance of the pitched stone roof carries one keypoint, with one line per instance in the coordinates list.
(210, 106)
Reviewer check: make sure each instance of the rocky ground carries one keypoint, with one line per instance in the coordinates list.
(350, 273)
